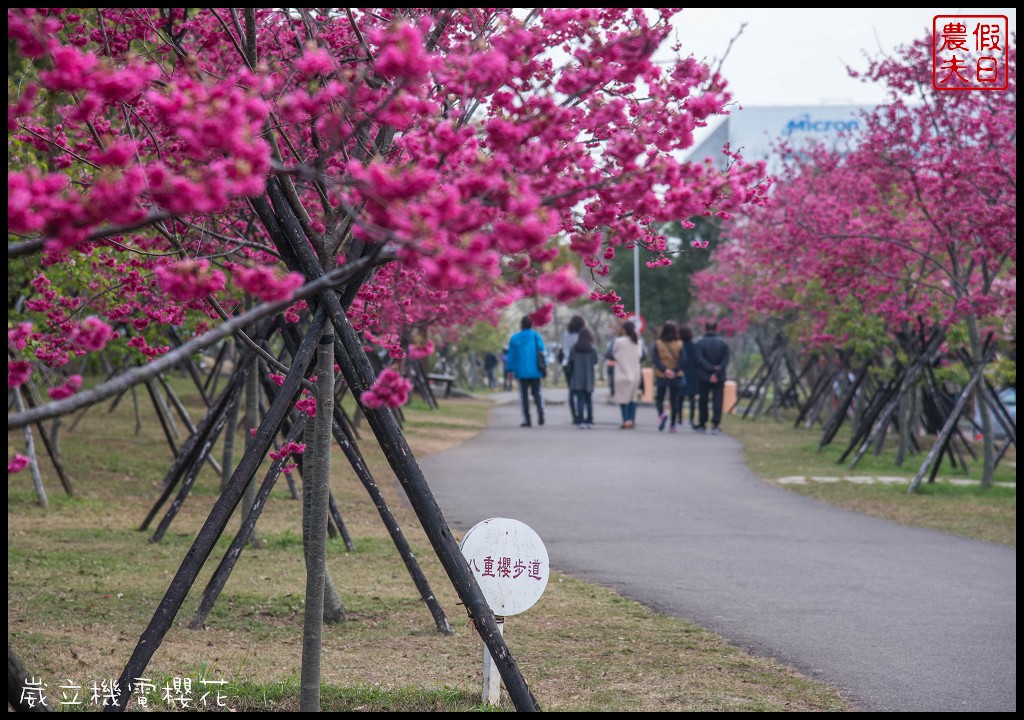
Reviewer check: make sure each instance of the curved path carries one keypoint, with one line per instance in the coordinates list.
(898, 618)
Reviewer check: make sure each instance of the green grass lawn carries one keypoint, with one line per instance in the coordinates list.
(776, 449)
(83, 583)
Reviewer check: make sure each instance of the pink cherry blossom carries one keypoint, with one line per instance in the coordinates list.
(542, 315)
(390, 389)
(189, 279)
(563, 284)
(307, 405)
(17, 337)
(17, 463)
(418, 352)
(18, 373)
(290, 448)
(69, 388)
(266, 283)
(93, 334)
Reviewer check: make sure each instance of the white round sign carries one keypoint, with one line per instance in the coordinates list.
(510, 564)
(638, 321)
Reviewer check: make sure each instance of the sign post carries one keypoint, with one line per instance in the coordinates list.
(511, 566)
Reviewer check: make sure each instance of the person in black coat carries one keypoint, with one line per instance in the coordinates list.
(582, 361)
(691, 374)
(712, 359)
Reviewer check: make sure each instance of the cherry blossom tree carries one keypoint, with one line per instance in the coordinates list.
(355, 171)
(914, 227)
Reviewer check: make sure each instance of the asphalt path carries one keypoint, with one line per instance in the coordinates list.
(897, 618)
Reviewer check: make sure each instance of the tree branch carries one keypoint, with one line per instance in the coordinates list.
(166, 362)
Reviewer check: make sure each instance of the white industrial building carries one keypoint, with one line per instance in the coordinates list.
(757, 132)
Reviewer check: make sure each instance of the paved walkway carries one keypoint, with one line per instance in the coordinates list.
(899, 618)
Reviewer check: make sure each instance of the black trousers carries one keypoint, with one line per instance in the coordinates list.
(665, 386)
(527, 387)
(716, 393)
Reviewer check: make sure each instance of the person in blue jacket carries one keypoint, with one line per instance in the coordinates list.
(524, 348)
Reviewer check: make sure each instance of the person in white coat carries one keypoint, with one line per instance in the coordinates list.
(626, 352)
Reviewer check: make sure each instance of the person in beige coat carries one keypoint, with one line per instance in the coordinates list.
(626, 352)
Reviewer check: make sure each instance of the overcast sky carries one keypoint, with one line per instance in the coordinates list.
(788, 56)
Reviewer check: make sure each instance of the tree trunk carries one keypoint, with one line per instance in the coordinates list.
(334, 609)
(30, 450)
(988, 448)
(227, 563)
(295, 248)
(20, 696)
(315, 481)
(934, 455)
(183, 413)
(252, 419)
(230, 434)
(904, 415)
(34, 399)
(212, 529)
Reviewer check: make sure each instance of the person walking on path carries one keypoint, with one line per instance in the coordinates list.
(668, 374)
(626, 354)
(490, 367)
(691, 375)
(610, 367)
(581, 373)
(569, 338)
(506, 371)
(524, 349)
(712, 359)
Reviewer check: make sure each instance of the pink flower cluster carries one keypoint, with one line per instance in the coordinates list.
(564, 285)
(75, 71)
(389, 390)
(18, 373)
(69, 388)
(542, 315)
(418, 352)
(17, 463)
(401, 53)
(139, 343)
(17, 337)
(267, 283)
(189, 279)
(307, 405)
(292, 313)
(314, 61)
(93, 334)
(288, 449)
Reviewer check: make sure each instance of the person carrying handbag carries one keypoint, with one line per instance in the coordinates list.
(667, 359)
(525, 354)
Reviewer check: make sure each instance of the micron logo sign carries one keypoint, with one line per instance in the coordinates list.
(805, 123)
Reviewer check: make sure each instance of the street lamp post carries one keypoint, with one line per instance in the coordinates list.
(636, 280)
